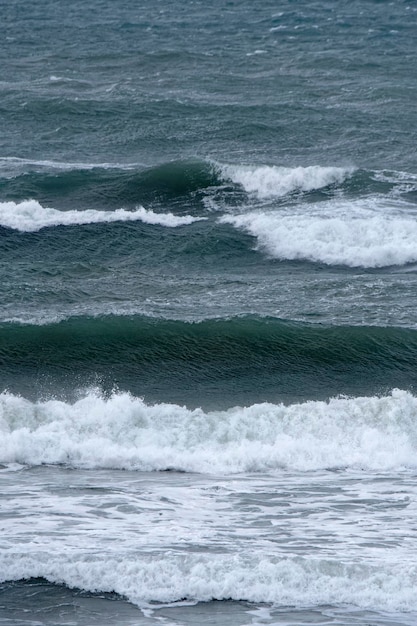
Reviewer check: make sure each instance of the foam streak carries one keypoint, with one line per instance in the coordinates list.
(30, 216)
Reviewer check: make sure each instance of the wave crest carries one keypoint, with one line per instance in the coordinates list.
(31, 216)
(274, 181)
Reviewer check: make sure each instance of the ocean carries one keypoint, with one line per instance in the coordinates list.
(208, 313)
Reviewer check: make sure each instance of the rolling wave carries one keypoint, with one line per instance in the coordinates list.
(212, 340)
(250, 576)
(331, 215)
(242, 359)
(106, 185)
(123, 432)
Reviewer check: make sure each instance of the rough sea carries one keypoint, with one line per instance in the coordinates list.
(208, 313)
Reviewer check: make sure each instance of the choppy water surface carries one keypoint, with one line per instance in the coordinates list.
(208, 329)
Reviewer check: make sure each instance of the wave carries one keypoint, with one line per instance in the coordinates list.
(30, 216)
(274, 181)
(123, 432)
(224, 343)
(359, 233)
(250, 577)
(215, 362)
(123, 184)
(105, 185)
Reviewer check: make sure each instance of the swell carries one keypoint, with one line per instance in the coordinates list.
(106, 187)
(242, 359)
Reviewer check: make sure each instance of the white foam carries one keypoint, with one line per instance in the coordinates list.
(273, 181)
(62, 165)
(123, 432)
(166, 219)
(169, 577)
(30, 216)
(362, 233)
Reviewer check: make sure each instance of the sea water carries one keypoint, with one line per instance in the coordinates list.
(208, 344)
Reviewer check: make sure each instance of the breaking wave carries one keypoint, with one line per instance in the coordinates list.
(274, 181)
(123, 432)
(362, 233)
(202, 577)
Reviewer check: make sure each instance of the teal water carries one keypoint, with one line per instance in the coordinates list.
(208, 264)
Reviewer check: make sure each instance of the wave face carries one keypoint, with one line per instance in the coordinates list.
(74, 185)
(240, 360)
(122, 432)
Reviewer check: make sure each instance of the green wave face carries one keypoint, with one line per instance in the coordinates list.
(212, 363)
(109, 187)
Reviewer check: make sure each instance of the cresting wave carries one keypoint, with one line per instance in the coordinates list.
(123, 432)
(134, 183)
(274, 181)
(361, 233)
(127, 184)
(30, 216)
(250, 577)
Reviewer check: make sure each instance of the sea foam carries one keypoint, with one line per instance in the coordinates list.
(123, 432)
(274, 181)
(30, 216)
(364, 233)
(168, 577)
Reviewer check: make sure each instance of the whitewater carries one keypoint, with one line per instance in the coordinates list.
(123, 432)
(184, 506)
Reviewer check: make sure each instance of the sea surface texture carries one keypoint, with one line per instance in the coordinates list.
(208, 313)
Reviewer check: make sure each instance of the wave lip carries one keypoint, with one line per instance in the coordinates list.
(123, 432)
(31, 216)
(275, 181)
